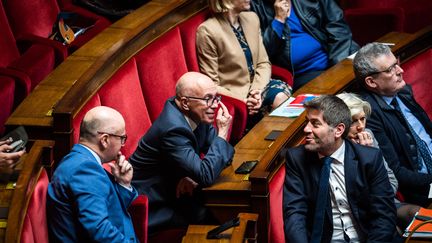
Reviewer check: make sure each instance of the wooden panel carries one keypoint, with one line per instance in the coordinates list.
(15, 192)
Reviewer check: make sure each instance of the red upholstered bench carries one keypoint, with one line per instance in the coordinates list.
(417, 73)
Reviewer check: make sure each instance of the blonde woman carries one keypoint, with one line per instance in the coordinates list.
(231, 52)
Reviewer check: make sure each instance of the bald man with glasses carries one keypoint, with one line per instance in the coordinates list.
(85, 203)
(182, 152)
(401, 126)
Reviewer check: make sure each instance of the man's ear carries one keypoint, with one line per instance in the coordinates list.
(370, 82)
(339, 130)
(184, 103)
(104, 140)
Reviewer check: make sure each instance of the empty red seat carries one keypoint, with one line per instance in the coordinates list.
(37, 18)
(7, 90)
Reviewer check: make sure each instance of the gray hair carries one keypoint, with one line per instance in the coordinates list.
(363, 62)
(355, 103)
(334, 110)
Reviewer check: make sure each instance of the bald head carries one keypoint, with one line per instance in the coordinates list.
(101, 118)
(192, 83)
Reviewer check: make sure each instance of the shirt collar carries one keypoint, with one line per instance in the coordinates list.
(92, 152)
(339, 154)
(388, 99)
(191, 123)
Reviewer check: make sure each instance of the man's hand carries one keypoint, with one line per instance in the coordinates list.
(185, 186)
(223, 121)
(282, 10)
(8, 160)
(122, 170)
(254, 101)
(364, 138)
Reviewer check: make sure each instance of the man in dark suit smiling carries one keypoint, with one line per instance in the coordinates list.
(181, 152)
(335, 190)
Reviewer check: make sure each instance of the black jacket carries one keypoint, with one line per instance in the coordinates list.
(323, 19)
(398, 146)
(368, 190)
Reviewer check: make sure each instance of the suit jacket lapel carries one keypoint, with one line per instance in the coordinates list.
(251, 38)
(351, 173)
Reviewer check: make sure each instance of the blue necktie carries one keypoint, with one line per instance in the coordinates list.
(322, 199)
(422, 149)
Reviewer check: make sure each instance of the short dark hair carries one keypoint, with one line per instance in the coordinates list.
(334, 110)
(363, 62)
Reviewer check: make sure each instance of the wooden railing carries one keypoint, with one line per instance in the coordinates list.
(15, 192)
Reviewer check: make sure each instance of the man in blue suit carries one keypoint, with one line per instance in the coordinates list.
(85, 203)
(336, 190)
(399, 123)
(182, 152)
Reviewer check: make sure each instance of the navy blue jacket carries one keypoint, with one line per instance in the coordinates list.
(370, 195)
(397, 144)
(169, 151)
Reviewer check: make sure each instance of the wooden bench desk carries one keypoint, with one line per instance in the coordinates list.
(238, 234)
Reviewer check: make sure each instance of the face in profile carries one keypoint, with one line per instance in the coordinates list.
(389, 80)
(358, 125)
(320, 137)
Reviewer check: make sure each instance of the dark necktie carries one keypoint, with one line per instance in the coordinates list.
(422, 149)
(322, 199)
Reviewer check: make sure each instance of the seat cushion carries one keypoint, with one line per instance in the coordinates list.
(276, 227)
(123, 92)
(7, 91)
(160, 65)
(417, 74)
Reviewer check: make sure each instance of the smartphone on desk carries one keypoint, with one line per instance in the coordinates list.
(246, 167)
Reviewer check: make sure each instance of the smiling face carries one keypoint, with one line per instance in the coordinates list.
(389, 81)
(320, 136)
(199, 111)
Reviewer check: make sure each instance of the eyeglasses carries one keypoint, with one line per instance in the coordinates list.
(123, 138)
(209, 100)
(389, 70)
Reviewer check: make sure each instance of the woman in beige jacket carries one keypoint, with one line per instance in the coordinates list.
(231, 52)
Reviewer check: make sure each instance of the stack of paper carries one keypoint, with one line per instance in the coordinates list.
(293, 107)
(424, 231)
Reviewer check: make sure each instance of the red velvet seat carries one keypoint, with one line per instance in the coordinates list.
(370, 19)
(160, 65)
(7, 91)
(35, 228)
(276, 228)
(37, 18)
(417, 73)
(28, 66)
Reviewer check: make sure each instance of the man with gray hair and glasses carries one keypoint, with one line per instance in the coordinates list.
(400, 125)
